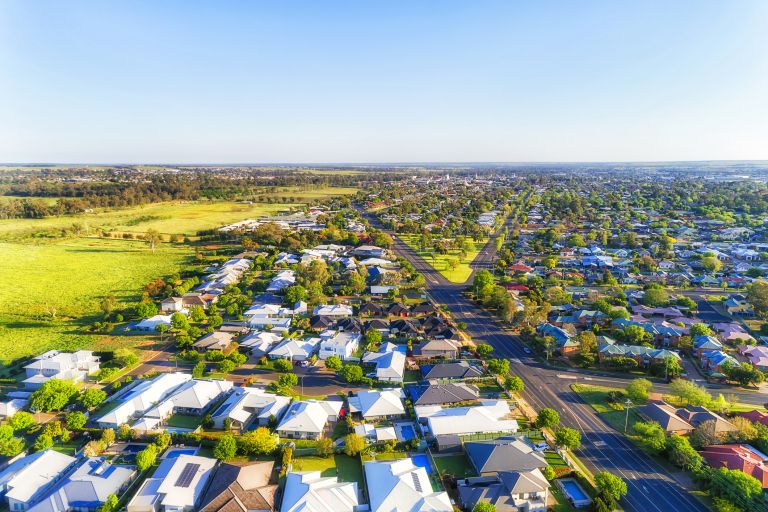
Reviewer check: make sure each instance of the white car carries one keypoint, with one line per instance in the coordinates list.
(540, 447)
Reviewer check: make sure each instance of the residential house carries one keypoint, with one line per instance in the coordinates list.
(756, 355)
(447, 349)
(755, 416)
(438, 394)
(258, 344)
(377, 405)
(333, 310)
(451, 371)
(371, 309)
(241, 487)
(666, 416)
(26, 479)
(217, 340)
(503, 454)
(696, 415)
(193, 398)
(389, 361)
(703, 344)
(714, 360)
(281, 281)
(564, 342)
(247, 405)
(405, 328)
(402, 486)
(171, 305)
(150, 324)
(183, 486)
(87, 487)
(308, 419)
(136, 400)
(508, 491)
(398, 309)
(341, 344)
(309, 491)
(737, 304)
(71, 366)
(295, 349)
(349, 324)
(12, 406)
(491, 416)
(740, 457)
(368, 251)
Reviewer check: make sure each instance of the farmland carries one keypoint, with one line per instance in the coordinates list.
(179, 217)
(59, 286)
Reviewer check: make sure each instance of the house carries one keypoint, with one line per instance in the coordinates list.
(246, 405)
(150, 324)
(451, 371)
(309, 491)
(424, 308)
(666, 416)
(136, 400)
(277, 317)
(714, 360)
(320, 323)
(217, 340)
(340, 344)
(25, 480)
(333, 310)
(371, 309)
(490, 416)
(192, 398)
(447, 349)
(282, 280)
(738, 305)
(307, 419)
(349, 324)
(563, 341)
(398, 309)
(368, 251)
(703, 344)
(376, 434)
(376, 405)
(87, 487)
(12, 406)
(183, 485)
(437, 328)
(389, 361)
(241, 487)
(402, 486)
(696, 415)
(508, 491)
(437, 394)
(295, 349)
(755, 416)
(71, 366)
(404, 328)
(171, 305)
(260, 343)
(503, 454)
(741, 457)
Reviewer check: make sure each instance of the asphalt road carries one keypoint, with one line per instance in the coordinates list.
(650, 486)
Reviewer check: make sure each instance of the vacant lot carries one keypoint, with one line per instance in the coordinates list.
(440, 261)
(178, 217)
(50, 290)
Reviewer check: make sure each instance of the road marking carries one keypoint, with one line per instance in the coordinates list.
(567, 376)
(600, 443)
(515, 360)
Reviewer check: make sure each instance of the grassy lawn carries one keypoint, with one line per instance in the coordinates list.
(487, 388)
(562, 503)
(440, 261)
(456, 465)
(176, 217)
(387, 456)
(554, 460)
(183, 421)
(412, 376)
(70, 277)
(348, 469)
(597, 397)
(68, 448)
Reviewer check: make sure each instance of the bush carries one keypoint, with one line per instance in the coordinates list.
(283, 365)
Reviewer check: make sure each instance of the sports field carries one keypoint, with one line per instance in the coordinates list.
(50, 290)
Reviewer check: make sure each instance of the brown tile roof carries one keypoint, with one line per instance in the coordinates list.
(241, 487)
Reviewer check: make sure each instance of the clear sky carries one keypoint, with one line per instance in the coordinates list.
(382, 81)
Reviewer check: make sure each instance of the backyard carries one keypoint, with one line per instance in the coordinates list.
(347, 469)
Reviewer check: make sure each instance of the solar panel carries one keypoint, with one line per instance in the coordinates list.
(416, 481)
(187, 474)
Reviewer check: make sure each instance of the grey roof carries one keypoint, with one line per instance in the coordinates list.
(460, 370)
(435, 394)
(505, 454)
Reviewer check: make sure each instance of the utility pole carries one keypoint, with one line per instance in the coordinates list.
(627, 405)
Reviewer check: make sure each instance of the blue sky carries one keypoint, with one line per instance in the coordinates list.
(327, 81)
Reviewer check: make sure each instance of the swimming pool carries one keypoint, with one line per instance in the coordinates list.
(574, 492)
(422, 461)
(407, 432)
(176, 452)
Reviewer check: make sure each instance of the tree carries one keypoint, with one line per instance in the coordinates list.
(294, 294)
(351, 373)
(737, 487)
(655, 297)
(108, 304)
(610, 485)
(547, 418)
(197, 313)
(484, 506)
(12, 446)
(226, 366)
(700, 329)
(638, 390)
(257, 442)
(652, 436)
(499, 367)
(76, 420)
(453, 264)
(636, 335)
(333, 363)
(682, 454)
(215, 321)
(287, 380)
(353, 444)
(22, 420)
(549, 473)
(711, 264)
(705, 434)
(587, 342)
(688, 391)
(43, 442)
(225, 448)
(514, 384)
(145, 309)
(152, 237)
(373, 337)
(568, 438)
(146, 458)
(743, 373)
(198, 370)
(324, 447)
(92, 397)
(745, 431)
(109, 505)
(283, 365)
(482, 279)
(108, 436)
(52, 395)
(758, 297)
(483, 350)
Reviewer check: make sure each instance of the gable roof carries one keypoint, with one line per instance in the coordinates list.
(434, 394)
(459, 370)
(402, 486)
(240, 487)
(386, 402)
(309, 492)
(665, 415)
(505, 454)
(308, 416)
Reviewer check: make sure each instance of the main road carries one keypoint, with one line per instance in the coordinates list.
(650, 487)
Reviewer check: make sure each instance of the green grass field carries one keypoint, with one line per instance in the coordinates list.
(456, 465)
(348, 469)
(69, 278)
(179, 217)
(440, 261)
